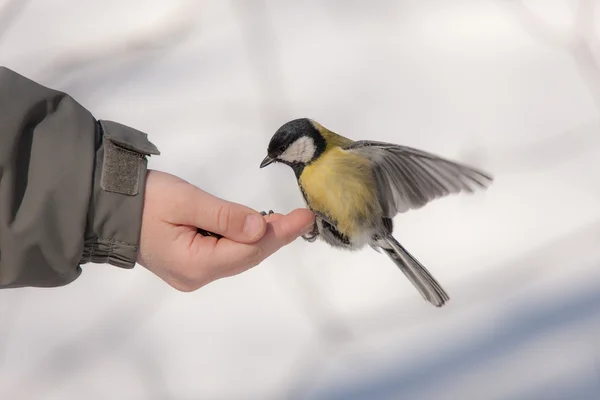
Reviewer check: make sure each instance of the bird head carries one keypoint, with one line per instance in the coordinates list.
(297, 143)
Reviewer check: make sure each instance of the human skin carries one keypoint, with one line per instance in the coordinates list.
(172, 248)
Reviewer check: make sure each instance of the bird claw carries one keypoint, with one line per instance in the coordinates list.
(309, 237)
(312, 235)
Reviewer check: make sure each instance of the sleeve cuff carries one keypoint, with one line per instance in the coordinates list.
(115, 213)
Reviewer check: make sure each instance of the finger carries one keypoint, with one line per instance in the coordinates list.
(281, 230)
(285, 230)
(231, 220)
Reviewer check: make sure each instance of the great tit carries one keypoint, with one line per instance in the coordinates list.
(355, 188)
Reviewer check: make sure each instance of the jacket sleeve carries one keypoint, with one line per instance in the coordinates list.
(71, 186)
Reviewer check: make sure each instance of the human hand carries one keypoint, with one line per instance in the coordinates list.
(172, 249)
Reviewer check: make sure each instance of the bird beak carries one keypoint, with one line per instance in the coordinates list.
(268, 160)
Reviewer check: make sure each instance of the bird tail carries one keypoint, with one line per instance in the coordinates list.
(425, 283)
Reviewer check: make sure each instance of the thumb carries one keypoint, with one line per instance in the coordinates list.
(234, 221)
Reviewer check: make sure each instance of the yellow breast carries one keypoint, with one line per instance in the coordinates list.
(341, 186)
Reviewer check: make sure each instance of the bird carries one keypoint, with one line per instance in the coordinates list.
(356, 188)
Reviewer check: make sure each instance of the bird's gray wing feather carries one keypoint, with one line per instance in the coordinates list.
(408, 178)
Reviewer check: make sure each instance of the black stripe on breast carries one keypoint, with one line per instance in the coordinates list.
(338, 235)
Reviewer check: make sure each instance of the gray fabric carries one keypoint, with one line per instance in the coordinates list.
(54, 215)
(128, 138)
(114, 218)
(121, 171)
(408, 178)
(124, 161)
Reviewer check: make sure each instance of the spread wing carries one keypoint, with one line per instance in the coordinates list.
(408, 178)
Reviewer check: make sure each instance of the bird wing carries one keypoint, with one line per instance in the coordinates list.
(408, 178)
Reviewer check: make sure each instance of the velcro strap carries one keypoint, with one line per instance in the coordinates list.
(121, 170)
(125, 151)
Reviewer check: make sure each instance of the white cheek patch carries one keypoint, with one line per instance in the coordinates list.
(302, 150)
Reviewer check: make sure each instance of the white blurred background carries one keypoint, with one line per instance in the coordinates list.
(509, 86)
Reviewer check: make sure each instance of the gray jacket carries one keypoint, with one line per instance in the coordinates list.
(71, 186)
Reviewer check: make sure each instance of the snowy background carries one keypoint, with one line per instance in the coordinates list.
(512, 87)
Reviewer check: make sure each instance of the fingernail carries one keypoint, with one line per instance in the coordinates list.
(253, 225)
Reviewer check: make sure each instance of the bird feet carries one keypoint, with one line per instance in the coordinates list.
(309, 237)
(312, 235)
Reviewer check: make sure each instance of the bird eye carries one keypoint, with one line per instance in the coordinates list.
(281, 149)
